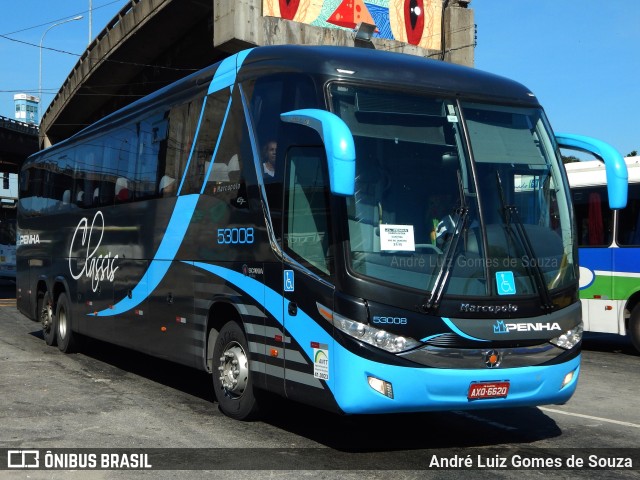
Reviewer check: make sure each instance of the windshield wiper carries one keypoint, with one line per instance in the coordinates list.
(462, 213)
(533, 267)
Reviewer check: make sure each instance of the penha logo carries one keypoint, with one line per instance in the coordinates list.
(86, 247)
(500, 327)
(29, 239)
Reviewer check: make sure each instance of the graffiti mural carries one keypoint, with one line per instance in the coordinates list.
(417, 22)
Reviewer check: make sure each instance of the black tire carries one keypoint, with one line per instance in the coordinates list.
(634, 327)
(64, 335)
(47, 318)
(232, 379)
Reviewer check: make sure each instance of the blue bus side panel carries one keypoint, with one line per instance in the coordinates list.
(609, 273)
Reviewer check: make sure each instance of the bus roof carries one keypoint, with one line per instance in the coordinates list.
(365, 65)
(592, 172)
(391, 68)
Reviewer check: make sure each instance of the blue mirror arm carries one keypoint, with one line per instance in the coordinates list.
(338, 142)
(615, 166)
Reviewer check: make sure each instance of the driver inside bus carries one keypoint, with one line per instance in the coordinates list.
(439, 218)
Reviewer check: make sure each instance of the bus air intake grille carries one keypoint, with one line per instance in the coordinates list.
(453, 340)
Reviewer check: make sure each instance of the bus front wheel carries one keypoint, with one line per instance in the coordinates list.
(232, 379)
(64, 335)
(634, 327)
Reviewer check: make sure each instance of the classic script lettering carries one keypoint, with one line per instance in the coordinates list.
(86, 245)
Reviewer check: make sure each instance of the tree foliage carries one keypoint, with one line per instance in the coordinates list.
(569, 159)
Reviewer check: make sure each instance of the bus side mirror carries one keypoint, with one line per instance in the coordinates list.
(338, 145)
(615, 167)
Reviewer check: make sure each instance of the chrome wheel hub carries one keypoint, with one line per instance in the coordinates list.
(234, 369)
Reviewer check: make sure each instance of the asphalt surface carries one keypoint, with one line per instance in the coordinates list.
(107, 397)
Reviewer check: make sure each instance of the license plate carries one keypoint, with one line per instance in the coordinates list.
(480, 391)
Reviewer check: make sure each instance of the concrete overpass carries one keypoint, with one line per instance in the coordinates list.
(18, 140)
(151, 43)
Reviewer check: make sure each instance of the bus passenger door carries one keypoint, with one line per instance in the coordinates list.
(307, 272)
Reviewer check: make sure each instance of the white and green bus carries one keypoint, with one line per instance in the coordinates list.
(608, 242)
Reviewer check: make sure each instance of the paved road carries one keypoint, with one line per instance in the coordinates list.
(109, 397)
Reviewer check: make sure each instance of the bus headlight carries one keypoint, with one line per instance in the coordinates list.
(569, 339)
(371, 335)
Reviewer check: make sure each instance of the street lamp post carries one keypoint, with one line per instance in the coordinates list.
(79, 17)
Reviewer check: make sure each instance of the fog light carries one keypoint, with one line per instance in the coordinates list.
(385, 388)
(567, 378)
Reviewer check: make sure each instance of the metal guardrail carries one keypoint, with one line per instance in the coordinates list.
(18, 126)
(105, 31)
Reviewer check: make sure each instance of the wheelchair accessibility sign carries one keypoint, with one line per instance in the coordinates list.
(506, 283)
(289, 285)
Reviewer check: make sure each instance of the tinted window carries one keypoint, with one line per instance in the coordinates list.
(307, 234)
(208, 132)
(628, 218)
(593, 217)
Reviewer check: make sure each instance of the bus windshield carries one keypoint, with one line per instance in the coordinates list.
(417, 179)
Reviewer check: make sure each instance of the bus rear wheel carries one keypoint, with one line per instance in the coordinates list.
(232, 379)
(64, 335)
(47, 318)
(634, 327)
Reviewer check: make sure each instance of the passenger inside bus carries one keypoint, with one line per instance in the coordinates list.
(122, 190)
(269, 158)
(167, 186)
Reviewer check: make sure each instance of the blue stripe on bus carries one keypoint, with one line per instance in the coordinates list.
(455, 329)
(227, 71)
(415, 388)
(304, 329)
(431, 337)
(193, 146)
(624, 260)
(225, 76)
(175, 233)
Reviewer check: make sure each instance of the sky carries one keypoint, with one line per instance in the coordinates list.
(581, 58)
(26, 23)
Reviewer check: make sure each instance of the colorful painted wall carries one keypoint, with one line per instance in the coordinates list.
(416, 22)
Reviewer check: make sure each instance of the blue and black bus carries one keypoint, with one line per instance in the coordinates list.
(344, 227)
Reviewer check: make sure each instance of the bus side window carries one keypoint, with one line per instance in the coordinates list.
(593, 216)
(307, 234)
(180, 130)
(272, 95)
(88, 174)
(214, 110)
(227, 165)
(119, 162)
(152, 151)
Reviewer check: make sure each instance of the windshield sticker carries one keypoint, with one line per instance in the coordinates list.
(506, 283)
(397, 238)
(452, 117)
